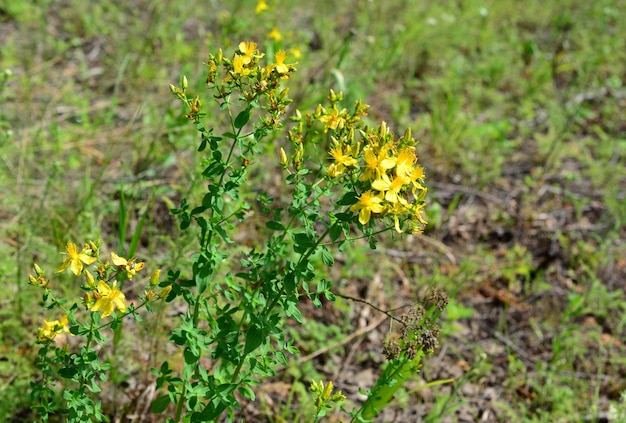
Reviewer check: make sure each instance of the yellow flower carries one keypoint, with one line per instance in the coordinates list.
(75, 259)
(248, 49)
(404, 162)
(261, 6)
(239, 66)
(368, 203)
(107, 299)
(342, 158)
(341, 161)
(52, 328)
(416, 213)
(333, 120)
(391, 188)
(398, 209)
(130, 266)
(415, 175)
(376, 164)
(295, 52)
(280, 65)
(275, 35)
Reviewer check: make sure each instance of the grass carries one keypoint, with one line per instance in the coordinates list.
(519, 109)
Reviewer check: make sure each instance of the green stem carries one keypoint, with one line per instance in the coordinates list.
(306, 255)
(91, 330)
(179, 405)
(183, 395)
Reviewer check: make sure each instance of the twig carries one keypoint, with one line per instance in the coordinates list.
(367, 303)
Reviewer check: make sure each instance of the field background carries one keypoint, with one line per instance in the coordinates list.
(520, 112)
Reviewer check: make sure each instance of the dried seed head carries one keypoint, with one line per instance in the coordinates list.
(391, 349)
(438, 298)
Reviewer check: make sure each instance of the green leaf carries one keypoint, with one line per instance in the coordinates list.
(302, 242)
(160, 404)
(335, 232)
(275, 226)
(348, 199)
(213, 142)
(198, 210)
(345, 217)
(255, 337)
(202, 145)
(242, 118)
(246, 392)
(327, 257)
(223, 234)
(68, 372)
(190, 357)
(214, 168)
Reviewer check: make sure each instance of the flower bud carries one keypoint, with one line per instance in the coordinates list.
(87, 300)
(38, 269)
(94, 246)
(173, 89)
(407, 134)
(383, 129)
(283, 157)
(183, 82)
(154, 279)
(332, 96)
(91, 282)
(327, 391)
(165, 291)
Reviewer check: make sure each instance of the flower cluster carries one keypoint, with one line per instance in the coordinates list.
(102, 293)
(243, 72)
(381, 170)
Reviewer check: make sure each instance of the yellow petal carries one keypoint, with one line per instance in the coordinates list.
(104, 305)
(117, 260)
(76, 266)
(104, 289)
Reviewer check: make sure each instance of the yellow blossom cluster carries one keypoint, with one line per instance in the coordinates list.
(380, 169)
(243, 72)
(103, 294)
(392, 181)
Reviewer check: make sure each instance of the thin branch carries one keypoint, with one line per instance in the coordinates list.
(367, 303)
